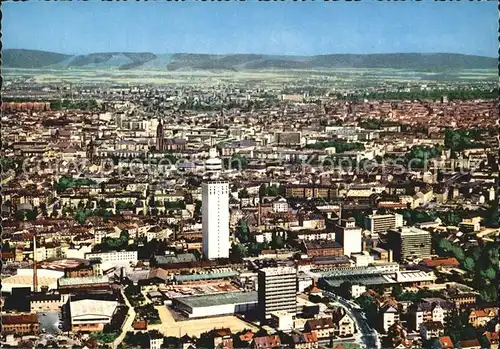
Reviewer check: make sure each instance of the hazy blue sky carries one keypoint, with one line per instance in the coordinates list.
(236, 27)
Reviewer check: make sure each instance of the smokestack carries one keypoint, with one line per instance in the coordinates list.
(340, 214)
(258, 215)
(35, 276)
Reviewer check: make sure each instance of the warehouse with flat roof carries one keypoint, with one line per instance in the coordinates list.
(216, 304)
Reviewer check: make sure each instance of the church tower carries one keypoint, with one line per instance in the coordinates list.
(91, 151)
(160, 137)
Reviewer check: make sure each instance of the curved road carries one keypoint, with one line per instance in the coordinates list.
(127, 326)
(368, 335)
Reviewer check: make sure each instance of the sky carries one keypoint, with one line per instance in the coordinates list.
(292, 28)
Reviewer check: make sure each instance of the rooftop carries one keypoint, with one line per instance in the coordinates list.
(208, 276)
(86, 307)
(220, 299)
(86, 280)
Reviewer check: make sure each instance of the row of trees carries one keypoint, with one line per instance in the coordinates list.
(481, 262)
(65, 183)
(271, 190)
(452, 94)
(458, 140)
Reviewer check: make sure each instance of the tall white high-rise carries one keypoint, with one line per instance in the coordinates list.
(349, 236)
(215, 219)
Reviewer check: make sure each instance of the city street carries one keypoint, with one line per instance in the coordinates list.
(128, 322)
(367, 335)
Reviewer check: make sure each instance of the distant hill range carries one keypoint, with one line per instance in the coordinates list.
(19, 58)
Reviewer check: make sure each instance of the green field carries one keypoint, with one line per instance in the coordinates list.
(331, 78)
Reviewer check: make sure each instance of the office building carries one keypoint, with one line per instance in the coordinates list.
(277, 291)
(349, 236)
(409, 243)
(215, 219)
(380, 223)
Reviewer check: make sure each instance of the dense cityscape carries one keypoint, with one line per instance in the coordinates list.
(234, 210)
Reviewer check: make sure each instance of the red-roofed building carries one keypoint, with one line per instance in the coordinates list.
(305, 340)
(266, 342)
(140, 325)
(481, 317)
(247, 336)
(443, 262)
(223, 338)
(446, 342)
(20, 324)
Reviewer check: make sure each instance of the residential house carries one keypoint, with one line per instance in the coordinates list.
(431, 329)
(345, 325)
(155, 340)
(481, 317)
(445, 342)
(389, 316)
(429, 309)
(186, 342)
(223, 338)
(266, 342)
(305, 340)
(324, 328)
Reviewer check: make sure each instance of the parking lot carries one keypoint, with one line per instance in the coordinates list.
(170, 327)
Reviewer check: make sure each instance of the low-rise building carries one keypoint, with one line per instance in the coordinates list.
(323, 327)
(323, 248)
(90, 315)
(345, 325)
(305, 340)
(20, 324)
(266, 342)
(43, 302)
(431, 329)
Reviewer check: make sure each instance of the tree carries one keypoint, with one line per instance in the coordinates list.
(277, 241)
(243, 193)
(244, 235)
(20, 215)
(489, 273)
(469, 264)
(369, 307)
(344, 290)
(31, 215)
(80, 217)
(237, 253)
(262, 191)
(397, 290)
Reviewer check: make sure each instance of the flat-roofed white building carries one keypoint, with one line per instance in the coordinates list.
(379, 223)
(114, 257)
(24, 278)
